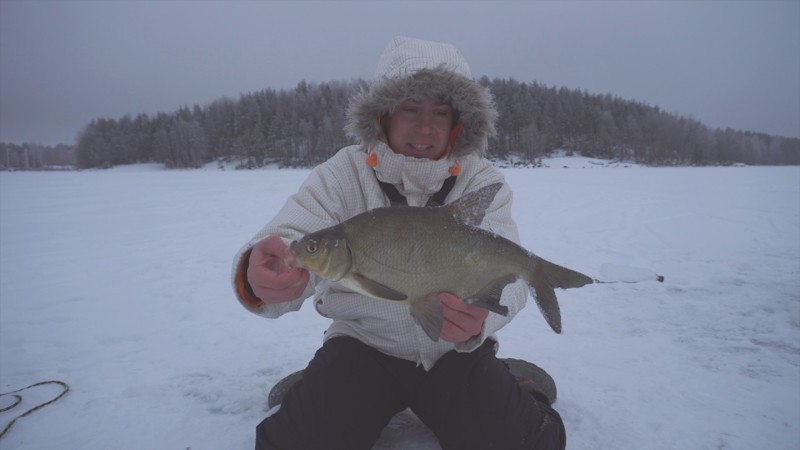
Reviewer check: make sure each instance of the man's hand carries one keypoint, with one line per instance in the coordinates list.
(461, 320)
(272, 279)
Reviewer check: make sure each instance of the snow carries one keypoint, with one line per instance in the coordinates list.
(117, 282)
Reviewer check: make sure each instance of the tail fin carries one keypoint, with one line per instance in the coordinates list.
(543, 280)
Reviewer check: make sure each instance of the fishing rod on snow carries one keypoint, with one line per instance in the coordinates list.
(616, 273)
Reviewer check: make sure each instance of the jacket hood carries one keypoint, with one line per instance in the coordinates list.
(413, 69)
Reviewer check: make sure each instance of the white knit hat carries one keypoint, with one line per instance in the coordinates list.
(405, 56)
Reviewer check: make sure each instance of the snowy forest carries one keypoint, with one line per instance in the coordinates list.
(302, 127)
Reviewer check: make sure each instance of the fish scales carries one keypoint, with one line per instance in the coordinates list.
(419, 250)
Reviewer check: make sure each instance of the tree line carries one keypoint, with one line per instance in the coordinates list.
(302, 127)
(535, 120)
(36, 157)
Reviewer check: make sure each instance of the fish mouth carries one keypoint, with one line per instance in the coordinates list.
(290, 256)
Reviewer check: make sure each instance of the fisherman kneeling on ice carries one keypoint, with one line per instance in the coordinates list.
(423, 127)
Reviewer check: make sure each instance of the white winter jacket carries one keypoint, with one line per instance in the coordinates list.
(346, 185)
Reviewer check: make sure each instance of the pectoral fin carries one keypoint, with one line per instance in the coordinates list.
(489, 296)
(378, 290)
(428, 313)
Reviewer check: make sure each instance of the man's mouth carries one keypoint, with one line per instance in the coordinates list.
(420, 149)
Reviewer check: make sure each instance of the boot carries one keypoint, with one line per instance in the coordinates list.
(533, 379)
(278, 391)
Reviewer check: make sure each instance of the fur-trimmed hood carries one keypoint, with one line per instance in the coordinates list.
(415, 69)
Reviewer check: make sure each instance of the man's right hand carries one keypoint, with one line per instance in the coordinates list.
(272, 279)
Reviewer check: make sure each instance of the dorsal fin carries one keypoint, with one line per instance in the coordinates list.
(471, 207)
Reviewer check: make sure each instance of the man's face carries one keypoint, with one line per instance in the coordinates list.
(420, 129)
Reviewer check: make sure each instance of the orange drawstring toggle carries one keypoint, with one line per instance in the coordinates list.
(455, 169)
(372, 159)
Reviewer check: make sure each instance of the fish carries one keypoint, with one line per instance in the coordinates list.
(411, 254)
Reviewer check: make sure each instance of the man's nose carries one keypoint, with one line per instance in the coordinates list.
(425, 122)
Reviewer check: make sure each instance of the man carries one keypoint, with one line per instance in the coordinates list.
(423, 127)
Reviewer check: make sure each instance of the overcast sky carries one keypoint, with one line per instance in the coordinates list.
(65, 62)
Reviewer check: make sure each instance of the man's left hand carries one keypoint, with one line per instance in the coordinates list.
(461, 320)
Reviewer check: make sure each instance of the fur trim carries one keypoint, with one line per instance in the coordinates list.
(472, 103)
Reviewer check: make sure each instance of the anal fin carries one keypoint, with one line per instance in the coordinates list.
(428, 313)
(489, 297)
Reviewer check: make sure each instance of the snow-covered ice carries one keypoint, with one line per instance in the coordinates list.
(117, 282)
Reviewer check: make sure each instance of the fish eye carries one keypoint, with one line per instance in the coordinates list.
(312, 247)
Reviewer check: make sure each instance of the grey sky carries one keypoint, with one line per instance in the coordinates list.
(63, 63)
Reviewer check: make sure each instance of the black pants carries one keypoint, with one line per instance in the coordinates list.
(350, 391)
